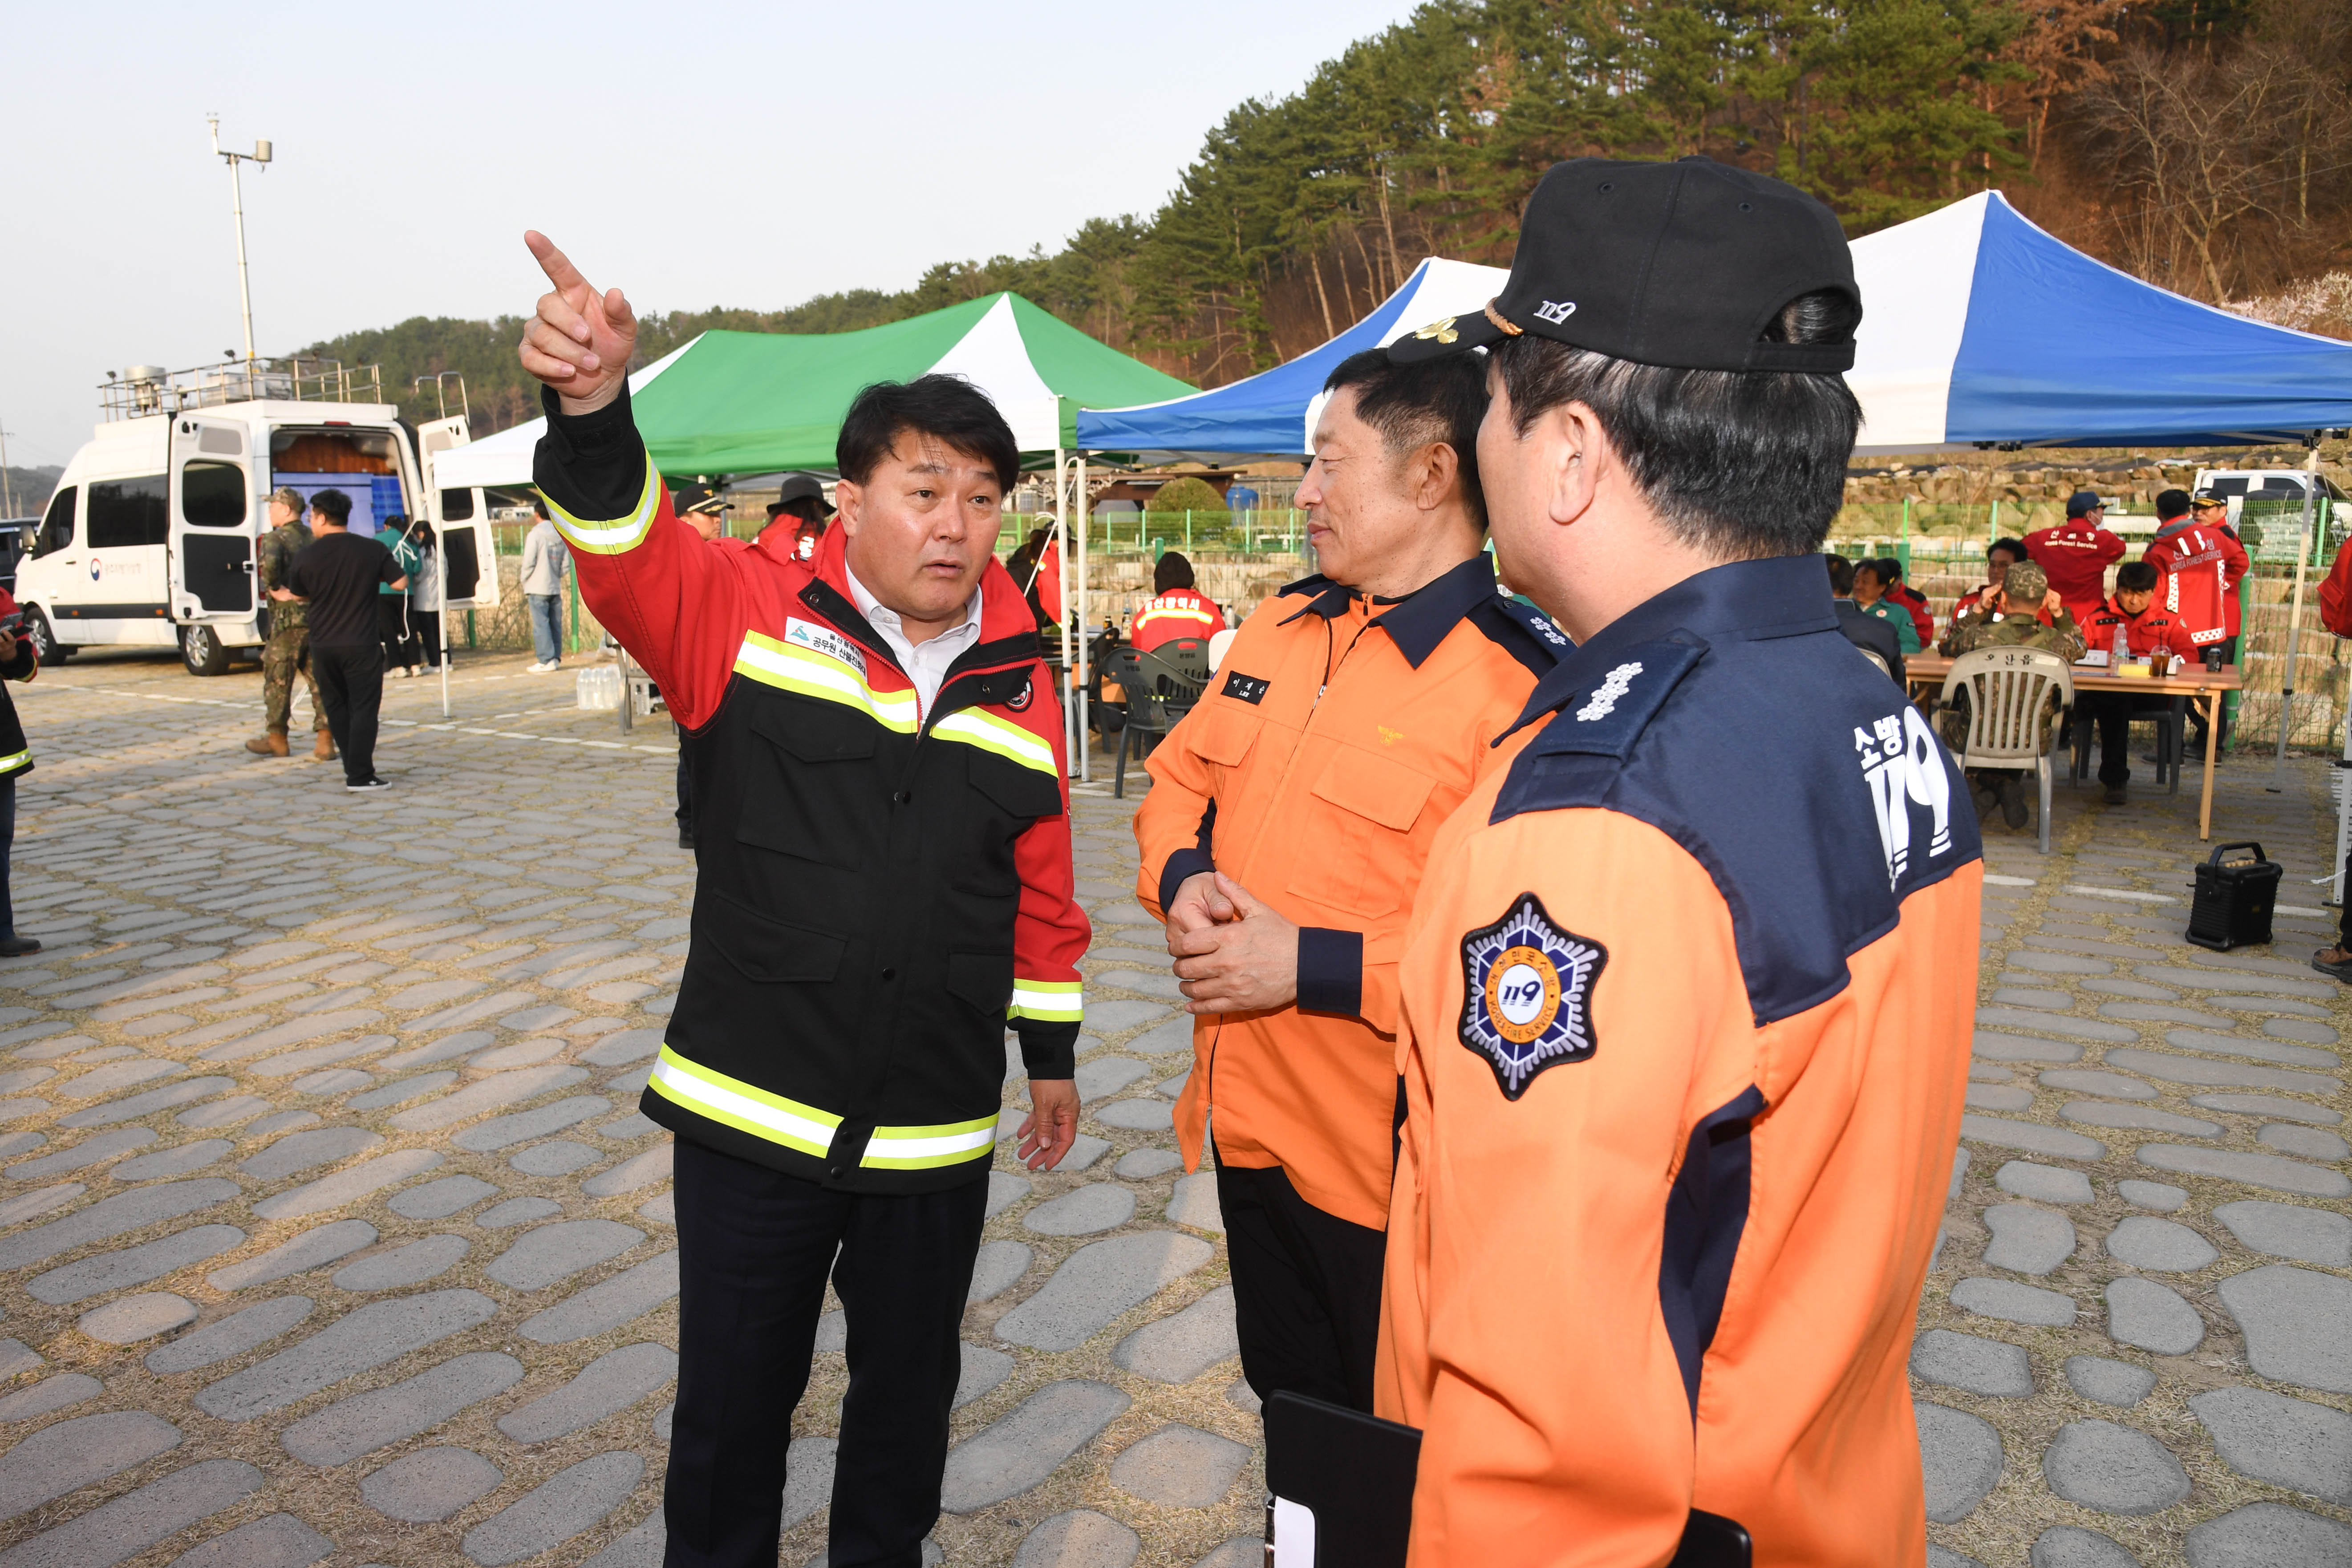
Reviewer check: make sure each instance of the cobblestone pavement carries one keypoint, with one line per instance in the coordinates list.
(329, 1231)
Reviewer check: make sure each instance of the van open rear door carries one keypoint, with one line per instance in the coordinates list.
(211, 536)
(462, 518)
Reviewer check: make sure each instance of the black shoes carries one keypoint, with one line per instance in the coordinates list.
(19, 946)
(2012, 799)
(367, 786)
(2115, 794)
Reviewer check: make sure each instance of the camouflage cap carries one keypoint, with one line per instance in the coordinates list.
(2025, 583)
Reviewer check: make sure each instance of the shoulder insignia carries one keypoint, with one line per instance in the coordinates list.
(1249, 689)
(1019, 701)
(1607, 715)
(1527, 994)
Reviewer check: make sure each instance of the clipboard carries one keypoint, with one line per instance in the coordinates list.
(1342, 1484)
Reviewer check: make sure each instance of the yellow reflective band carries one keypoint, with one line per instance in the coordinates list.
(923, 1148)
(1049, 1001)
(742, 1106)
(610, 538)
(21, 760)
(791, 669)
(990, 733)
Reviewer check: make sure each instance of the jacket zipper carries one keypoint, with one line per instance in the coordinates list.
(1331, 673)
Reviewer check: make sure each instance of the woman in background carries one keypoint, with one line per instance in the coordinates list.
(418, 556)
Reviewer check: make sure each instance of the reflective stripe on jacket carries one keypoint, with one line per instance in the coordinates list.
(1338, 736)
(1687, 1000)
(2201, 567)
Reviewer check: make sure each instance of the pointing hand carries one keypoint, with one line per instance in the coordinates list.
(581, 341)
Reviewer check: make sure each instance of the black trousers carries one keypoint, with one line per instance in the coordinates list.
(427, 627)
(2114, 711)
(7, 843)
(351, 683)
(1307, 1289)
(2194, 736)
(754, 1247)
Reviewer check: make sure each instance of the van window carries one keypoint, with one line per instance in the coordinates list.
(456, 506)
(2275, 486)
(57, 522)
(212, 495)
(2236, 487)
(128, 511)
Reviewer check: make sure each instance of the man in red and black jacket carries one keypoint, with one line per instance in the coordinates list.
(876, 748)
(2202, 559)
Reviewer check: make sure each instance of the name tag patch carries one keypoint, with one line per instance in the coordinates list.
(1248, 688)
(1527, 994)
(825, 640)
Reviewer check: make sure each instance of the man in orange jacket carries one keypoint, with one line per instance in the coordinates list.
(1683, 1062)
(1288, 821)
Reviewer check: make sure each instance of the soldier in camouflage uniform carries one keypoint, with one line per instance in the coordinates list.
(2009, 616)
(289, 649)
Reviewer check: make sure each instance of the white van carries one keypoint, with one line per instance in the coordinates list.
(149, 537)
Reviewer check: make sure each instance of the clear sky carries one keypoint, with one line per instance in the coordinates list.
(694, 155)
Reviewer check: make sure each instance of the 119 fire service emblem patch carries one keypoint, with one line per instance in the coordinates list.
(1527, 994)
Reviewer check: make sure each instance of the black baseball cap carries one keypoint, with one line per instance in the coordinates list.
(800, 486)
(1684, 265)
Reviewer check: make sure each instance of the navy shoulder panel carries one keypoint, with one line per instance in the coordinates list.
(1817, 798)
(1524, 632)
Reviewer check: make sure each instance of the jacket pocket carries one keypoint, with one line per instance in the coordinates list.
(815, 731)
(807, 780)
(1220, 732)
(1362, 858)
(767, 951)
(981, 980)
(1018, 792)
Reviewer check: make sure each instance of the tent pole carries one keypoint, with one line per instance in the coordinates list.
(1085, 673)
(1060, 535)
(2295, 615)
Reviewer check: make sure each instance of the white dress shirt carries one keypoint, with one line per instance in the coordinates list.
(926, 663)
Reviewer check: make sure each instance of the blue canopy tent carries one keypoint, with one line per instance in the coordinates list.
(1269, 415)
(1978, 327)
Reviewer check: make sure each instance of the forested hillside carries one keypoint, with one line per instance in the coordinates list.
(2204, 144)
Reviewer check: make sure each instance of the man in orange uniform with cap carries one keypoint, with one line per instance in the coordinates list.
(2076, 557)
(1683, 1058)
(1289, 818)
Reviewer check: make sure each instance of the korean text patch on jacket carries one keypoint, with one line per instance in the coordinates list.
(2201, 568)
(1338, 735)
(881, 888)
(1688, 995)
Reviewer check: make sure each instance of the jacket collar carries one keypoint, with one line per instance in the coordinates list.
(1741, 601)
(1008, 626)
(1416, 623)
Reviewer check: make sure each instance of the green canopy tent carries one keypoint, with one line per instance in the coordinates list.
(757, 402)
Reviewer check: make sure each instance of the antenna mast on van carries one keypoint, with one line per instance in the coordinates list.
(260, 154)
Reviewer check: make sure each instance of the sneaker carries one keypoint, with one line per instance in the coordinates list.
(370, 784)
(2115, 794)
(2013, 800)
(2335, 962)
(19, 946)
(542, 668)
(396, 673)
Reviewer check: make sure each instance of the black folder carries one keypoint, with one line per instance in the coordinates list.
(1355, 1473)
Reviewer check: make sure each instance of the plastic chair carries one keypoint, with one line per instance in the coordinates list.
(1878, 659)
(2171, 724)
(2009, 690)
(1218, 644)
(1159, 691)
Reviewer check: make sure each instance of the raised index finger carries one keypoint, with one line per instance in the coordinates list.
(553, 262)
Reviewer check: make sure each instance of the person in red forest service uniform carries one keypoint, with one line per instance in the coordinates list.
(2147, 626)
(2201, 561)
(2076, 557)
(1176, 608)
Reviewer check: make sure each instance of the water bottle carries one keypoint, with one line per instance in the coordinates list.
(2122, 653)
